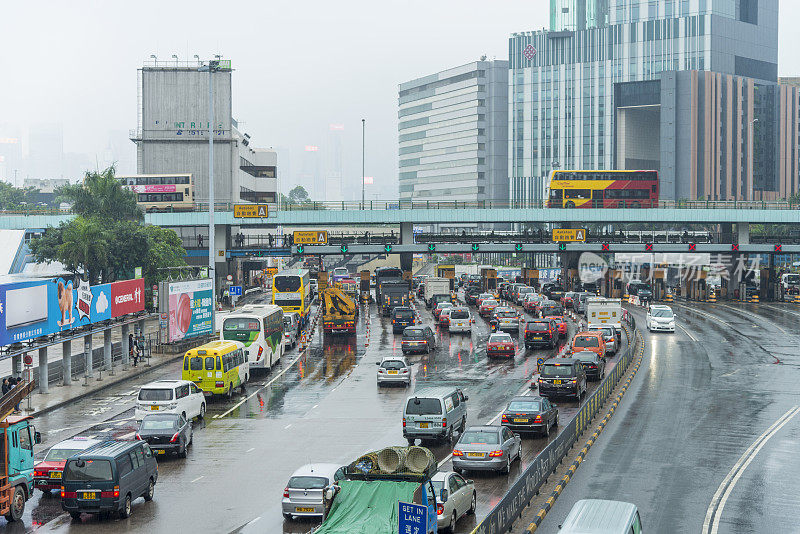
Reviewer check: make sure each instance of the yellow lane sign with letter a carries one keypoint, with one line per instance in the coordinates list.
(314, 237)
(243, 211)
(569, 234)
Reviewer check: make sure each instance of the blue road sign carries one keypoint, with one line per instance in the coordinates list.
(413, 518)
(539, 361)
(235, 291)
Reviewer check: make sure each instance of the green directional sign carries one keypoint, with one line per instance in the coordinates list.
(562, 246)
(387, 248)
(300, 249)
(518, 247)
(343, 248)
(475, 247)
(431, 247)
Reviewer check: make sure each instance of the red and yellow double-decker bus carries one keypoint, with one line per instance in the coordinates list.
(603, 189)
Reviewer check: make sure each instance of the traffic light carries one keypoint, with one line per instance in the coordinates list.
(518, 247)
(343, 248)
(300, 249)
(475, 247)
(387, 248)
(431, 247)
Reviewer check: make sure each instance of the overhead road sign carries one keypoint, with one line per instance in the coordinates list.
(312, 237)
(569, 234)
(249, 211)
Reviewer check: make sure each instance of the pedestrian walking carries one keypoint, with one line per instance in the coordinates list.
(200, 241)
(15, 384)
(6, 387)
(135, 352)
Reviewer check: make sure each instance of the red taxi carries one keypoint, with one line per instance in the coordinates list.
(487, 307)
(500, 344)
(437, 311)
(560, 323)
(47, 473)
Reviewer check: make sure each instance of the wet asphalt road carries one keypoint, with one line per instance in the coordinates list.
(326, 407)
(677, 447)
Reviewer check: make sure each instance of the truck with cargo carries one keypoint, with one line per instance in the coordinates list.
(435, 286)
(339, 311)
(601, 310)
(393, 294)
(366, 497)
(387, 275)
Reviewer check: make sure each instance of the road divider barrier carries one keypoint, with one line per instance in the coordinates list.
(712, 296)
(501, 518)
(797, 299)
(754, 298)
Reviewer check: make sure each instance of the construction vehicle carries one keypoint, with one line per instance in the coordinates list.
(340, 311)
(16, 459)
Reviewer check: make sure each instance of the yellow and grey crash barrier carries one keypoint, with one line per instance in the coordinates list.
(585, 450)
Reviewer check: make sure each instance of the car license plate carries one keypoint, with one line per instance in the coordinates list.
(475, 454)
(557, 382)
(55, 474)
(392, 372)
(88, 495)
(538, 338)
(154, 408)
(306, 510)
(160, 451)
(520, 420)
(423, 425)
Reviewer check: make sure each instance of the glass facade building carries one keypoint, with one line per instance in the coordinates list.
(452, 129)
(588, 93)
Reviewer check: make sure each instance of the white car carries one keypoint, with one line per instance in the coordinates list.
(171, 396)
(455, 497)
(303, 495)
(460, 319)
(393, 370)
(291, 321)
(660, 318)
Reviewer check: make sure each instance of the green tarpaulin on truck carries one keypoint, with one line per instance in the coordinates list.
(367, 507)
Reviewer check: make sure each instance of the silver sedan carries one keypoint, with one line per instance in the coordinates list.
(486, 448)
(455, 497)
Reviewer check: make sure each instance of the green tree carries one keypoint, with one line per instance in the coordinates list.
(101, 195)
(299, 195)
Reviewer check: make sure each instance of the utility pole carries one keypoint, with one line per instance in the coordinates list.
(212, 67)
(363, 171)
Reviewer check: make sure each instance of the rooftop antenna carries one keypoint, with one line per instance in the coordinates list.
(175, 57)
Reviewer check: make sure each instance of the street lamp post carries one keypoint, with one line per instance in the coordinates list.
(363, 171)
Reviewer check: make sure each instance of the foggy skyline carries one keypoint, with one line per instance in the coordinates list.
(298, 69)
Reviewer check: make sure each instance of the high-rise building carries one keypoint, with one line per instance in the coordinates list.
(334, 168)
(453, 134)
(686, 87)
(172, 134)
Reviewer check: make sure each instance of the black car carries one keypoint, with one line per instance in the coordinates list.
(541, 333)
(107, 478)
(471, 294)
(640, 289)
(594, 365)
(562, 377)
(418, 339)
(554, 292)
(166, 433)
(402, 316)
(530, 414)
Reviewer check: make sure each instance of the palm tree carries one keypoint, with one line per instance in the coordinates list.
(101, 194)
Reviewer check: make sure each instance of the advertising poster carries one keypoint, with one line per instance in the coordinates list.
(35, 308)
(189, 309)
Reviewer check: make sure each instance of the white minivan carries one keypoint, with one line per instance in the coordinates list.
(460, 320)
(171, 396)
(601, 516)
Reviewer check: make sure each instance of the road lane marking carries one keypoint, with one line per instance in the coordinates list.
(254, 520)
(743, 312)
(687, 333)
(709, 316)
(291, 364)
(287, 426)
(715, 509)
(780, 308)
(198, 478)
(251, 449)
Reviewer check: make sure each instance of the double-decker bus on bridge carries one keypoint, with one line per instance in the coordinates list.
(603, 189)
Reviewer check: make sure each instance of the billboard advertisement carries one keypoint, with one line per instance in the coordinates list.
(189, 307)
(34, 308)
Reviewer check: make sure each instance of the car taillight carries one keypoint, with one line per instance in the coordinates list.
(457, 452)
(444, 422)
(495, 454)
(574, 380)
(286, 492)
(505, 419)
(260, 351)
(404, 422)
(38, 473)
(110, 494)
(68, 494)
(138, 437)
(538, 419)
(405, 370)
(175, 437)
(219, 384)
(439, 509)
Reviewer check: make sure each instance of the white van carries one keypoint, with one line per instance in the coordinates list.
(460, 320)
(171, 396)
(291, 328)
(599, 516)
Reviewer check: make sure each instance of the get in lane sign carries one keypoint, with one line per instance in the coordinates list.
(244, 211)
(413, 518)
(315, 237)
(571, 234)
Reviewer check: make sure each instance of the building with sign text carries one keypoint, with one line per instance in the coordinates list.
(172, 135)
(688, 88)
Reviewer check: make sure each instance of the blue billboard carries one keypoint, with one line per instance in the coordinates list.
(35, 308)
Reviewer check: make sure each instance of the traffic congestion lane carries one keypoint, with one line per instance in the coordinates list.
(702, 396)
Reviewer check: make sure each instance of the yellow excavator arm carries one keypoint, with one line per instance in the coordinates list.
(337, 301)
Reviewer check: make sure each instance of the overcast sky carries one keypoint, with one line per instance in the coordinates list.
(299, 66)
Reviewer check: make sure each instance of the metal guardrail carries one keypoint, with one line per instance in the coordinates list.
(501, 518)
(450, 204)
